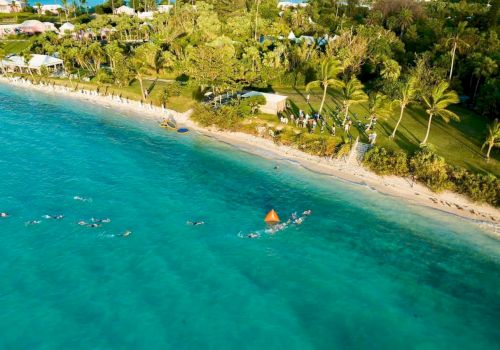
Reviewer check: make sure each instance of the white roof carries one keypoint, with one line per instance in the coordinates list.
(9, 3)
(269, 97)
(31, 23)
(35, 62)
(165, 8)
(67, 27)
(49, 7)
(287, 4)
(146, 15)
(125, 9)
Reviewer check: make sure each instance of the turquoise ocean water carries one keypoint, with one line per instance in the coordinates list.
(364, 271)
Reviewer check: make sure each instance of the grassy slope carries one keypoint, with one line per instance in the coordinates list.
(14, 46)
(459, 143)
(180, 103)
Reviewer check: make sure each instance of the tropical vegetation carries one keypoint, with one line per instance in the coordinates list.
(421, 75)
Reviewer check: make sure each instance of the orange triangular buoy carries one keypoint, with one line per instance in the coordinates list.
(272, 217)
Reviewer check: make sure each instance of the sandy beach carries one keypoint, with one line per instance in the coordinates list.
(350, 170)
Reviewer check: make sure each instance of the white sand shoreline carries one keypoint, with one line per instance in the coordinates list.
(486, 216)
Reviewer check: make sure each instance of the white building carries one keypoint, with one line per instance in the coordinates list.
(8, 29)
(125, 10)
(9, 6)
(67, 28)
(165, 8)
(274, 103)
(54, 9)
(283, 5)
(146, 15)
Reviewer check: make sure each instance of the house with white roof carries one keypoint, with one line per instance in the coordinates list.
(274, 103)
(67, 28)
(283, 5)
(9, 6)
(125, 10)
(8, 29)
(165, 8)
(54, 9)
(146, 15)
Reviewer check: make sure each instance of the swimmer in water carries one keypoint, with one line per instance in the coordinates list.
(33, 222)
(104, 221)
(55, 217)
(82, 199)
(195, 223)
(93, 225)
(82, 223)
(298, 221)
(4, 215)
(126, 233)
(253, 235)
(307, 212)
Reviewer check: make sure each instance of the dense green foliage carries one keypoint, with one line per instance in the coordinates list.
(396, 69)
(432, 170)
(386, 162)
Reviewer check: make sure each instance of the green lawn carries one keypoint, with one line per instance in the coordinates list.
(180, 103)
(14, 46)
(459, 143)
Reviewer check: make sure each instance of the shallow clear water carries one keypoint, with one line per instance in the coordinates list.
(365, 271)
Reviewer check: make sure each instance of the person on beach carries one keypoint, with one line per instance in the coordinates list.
(308, 97)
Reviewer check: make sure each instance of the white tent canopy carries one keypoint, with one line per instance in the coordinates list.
(274, 103)
(36, 62)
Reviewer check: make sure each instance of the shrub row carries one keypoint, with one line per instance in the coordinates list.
(432, 170)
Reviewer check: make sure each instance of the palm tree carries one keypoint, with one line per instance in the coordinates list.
(38, 6)
(407, 95)
(485, 67)
(456, 42)
(493, 138)
(84, 4)
(26, 55)
(64, 4)
(405, 19)
(330, 69)
(378, 107)
(390, 70)
(437, 102)
(2, 56)
(352, 93)
(257, 4)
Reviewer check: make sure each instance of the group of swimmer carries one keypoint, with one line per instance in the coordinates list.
(94, 223)
(293, 220)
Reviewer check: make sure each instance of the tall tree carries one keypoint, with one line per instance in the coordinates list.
(352, 93)
(330, 69)
(485, 68)
(493, 138)
(378, 107)
(437, 103)
(390, 70)
(456, 42)
(405, 20)
(407, 94)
